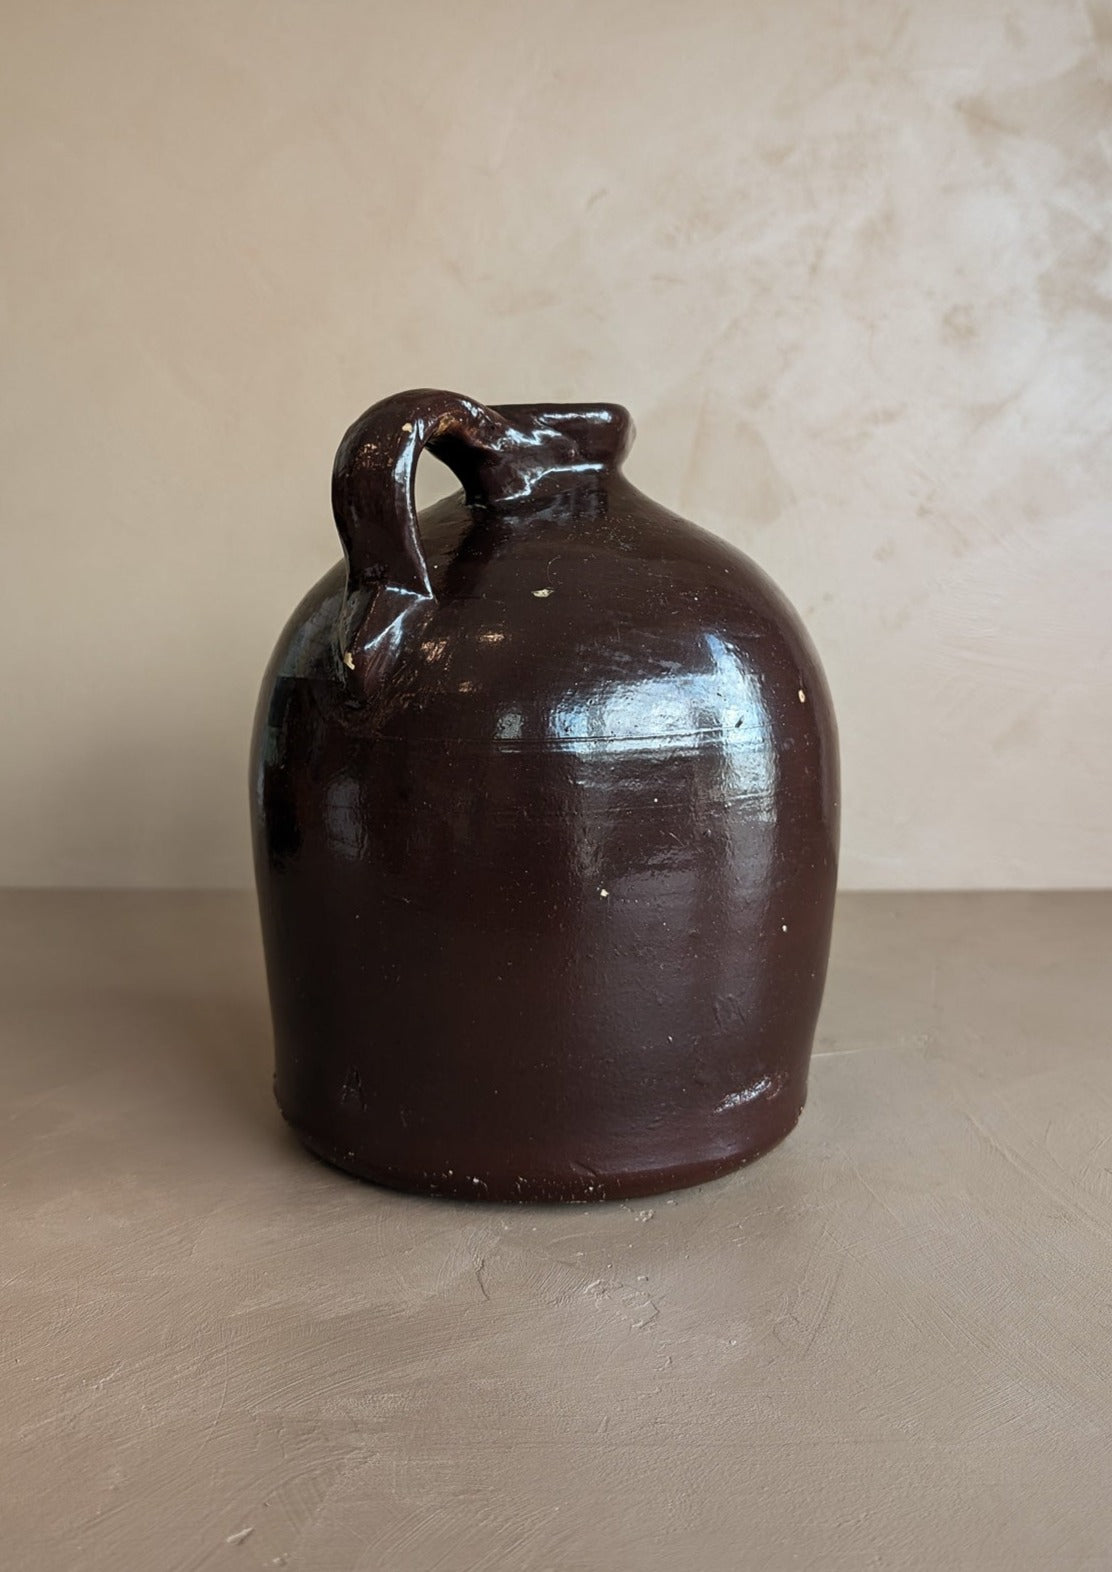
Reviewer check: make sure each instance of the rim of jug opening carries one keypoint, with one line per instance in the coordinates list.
(603, 433)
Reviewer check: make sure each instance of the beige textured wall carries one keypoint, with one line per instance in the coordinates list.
(846, 260)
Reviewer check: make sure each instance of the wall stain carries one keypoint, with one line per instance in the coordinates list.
(1069, 111)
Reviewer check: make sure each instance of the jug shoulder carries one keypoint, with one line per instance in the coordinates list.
(609, 617)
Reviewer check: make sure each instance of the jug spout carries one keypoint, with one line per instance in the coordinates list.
(600, 434)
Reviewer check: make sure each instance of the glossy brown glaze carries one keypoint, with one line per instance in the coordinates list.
(545, 824)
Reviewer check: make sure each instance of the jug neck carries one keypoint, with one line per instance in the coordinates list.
(544, 449)
(503, 457)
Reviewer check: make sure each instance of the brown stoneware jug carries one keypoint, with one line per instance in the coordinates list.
(544, 788)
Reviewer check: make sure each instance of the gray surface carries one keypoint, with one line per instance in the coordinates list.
(885, 1345)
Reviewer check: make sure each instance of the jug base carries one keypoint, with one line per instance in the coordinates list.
(570, 1189)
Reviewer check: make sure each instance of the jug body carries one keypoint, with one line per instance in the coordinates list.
(545, 813)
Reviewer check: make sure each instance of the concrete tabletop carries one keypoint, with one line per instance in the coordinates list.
(885, 1345)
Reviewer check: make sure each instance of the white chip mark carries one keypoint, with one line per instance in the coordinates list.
(802, 697)
(542, 594)
(748, 1094)
(783, 927)
(407, 426)
(349, 660)
(605, 894)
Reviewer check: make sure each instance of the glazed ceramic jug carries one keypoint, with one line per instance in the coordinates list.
(544, 790)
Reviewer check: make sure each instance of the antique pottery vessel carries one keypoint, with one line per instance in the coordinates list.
(545, 812)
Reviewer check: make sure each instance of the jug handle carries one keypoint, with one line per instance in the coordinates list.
(376, 515)
(493, 457)
(372, 479)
